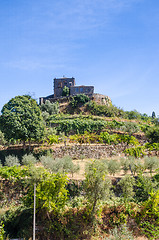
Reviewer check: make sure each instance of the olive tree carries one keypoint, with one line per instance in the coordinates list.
(97, 185)
(21, 119)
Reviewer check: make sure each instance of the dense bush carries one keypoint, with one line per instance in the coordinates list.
(51, 108)
(135, 151)
(86, 138)
(79, 100)
(28, 159)
(148, 217)
(11, 160)
(103, 110)
(153, 134)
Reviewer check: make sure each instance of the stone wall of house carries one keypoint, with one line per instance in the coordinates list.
(88, 151)
(88, 90)
(96, 97)
(101, 99)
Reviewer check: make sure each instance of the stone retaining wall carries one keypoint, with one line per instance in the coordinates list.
(88, 151)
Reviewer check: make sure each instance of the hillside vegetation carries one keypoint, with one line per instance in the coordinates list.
(116, 193)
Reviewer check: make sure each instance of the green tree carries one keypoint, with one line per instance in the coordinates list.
(127, 184)
(97, 185)
(153, 115)
(21, 119)
(50, 108)
(153, 134)
(65, 91)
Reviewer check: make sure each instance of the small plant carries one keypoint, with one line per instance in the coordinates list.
(2, 232)
(11, 161)
(151, 163)
(124, 162)
(127, 184)
(120, 233)
(28, 160)
(113, 166)
(135, 151)
(65, 91)
(53, 139)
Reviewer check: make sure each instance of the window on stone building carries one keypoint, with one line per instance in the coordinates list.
(76, 90)
(60, 84)
(81, 90)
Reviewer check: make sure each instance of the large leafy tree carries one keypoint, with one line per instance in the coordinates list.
(21, 119)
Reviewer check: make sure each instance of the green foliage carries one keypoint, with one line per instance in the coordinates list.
(51, 193)
(2, 139)
(127, 139)
(127, 185)
(2, 232)
(135, 151)
(120, 233)
(28, 159)
(96, 184)
(152, 146)
(108, 138)
(125, 164)
(21, 119)
(18, 222)
(130, 127)
(62, 165)
(53, 139)
(79, 100)
(151, 163)
(11, 161)
(50, 108)
(148, 218)
(65, 91)
(103, 110)
(145, 186)
(153, 115)
(113, 166)
(86, 138)
(153, 134)
(133, 114)
(78, 126)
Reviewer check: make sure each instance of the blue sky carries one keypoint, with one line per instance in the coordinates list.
(111, 44)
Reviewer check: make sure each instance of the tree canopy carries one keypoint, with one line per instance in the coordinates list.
(21, 119)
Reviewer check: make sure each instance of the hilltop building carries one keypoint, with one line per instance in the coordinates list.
(60, 83)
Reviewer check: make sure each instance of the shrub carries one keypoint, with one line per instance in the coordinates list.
(107, 138)
(127, 139)
(49, 163)
(51, 108)
(28, 160)
(113, 166)
(79, 100)
(125, 163)
(65, 91)
(130, 127)
(152, 146)
(133, 115)
(103, 110)
(135, 151)
(151, 163)
(127, 184)
(11, 161)
(120, 233)
(153, 134)
(148, 217)
(53, 139)
(96, 184)
(144, 186)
